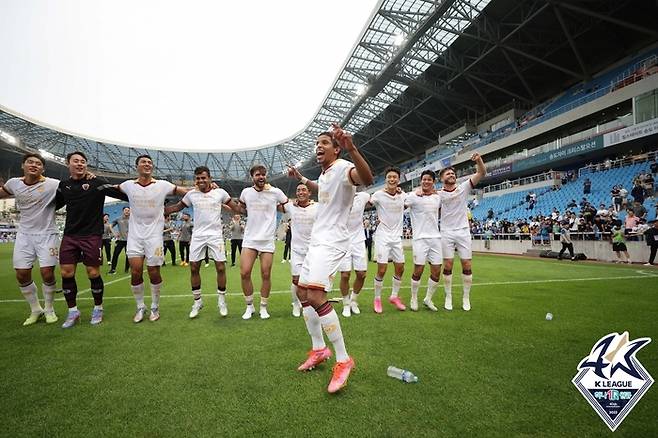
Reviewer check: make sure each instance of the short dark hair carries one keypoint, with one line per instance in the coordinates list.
(142, 156)
(444, 170)
(392, 169)
(255, 168)
(106, 214)
(431, 173)
(68, 156)
(200, 169)
(331, 136)
(124, 208)
(33, 155)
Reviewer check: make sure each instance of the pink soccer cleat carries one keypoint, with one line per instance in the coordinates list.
(315, 358)
(397, 303)
(341, 373)
(378, 305)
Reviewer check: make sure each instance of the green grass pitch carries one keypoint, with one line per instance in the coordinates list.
(498, 370)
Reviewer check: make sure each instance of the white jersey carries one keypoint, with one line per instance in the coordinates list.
(207, 211)
(355, 221)
(146, 207)
(36, 202)
(261, 212)
(454, 206)
(335, 196)
(424, 213)
(301, 225)
(390, 211)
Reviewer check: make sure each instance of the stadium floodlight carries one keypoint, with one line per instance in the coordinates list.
(361, 90)
(8, 138)
(398, 40)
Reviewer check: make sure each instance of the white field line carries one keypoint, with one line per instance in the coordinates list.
(644, 275)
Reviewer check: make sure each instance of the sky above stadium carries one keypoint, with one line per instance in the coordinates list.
(194, 75)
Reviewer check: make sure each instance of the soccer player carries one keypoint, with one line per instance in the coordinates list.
(424, 211)
(389, 203)
(37, 237)
(121, 239)
(207, 236)
(302, 216)
(356, 257)
(330, 242)
(83, 234)
(146, 196)
(107, 238)
(455, 230)
(260, 202)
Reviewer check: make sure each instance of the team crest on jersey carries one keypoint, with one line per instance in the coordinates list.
(612, 379)
(85, 186)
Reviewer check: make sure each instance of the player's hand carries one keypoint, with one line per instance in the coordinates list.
(476, 157)
(398, 190)
(343, 138)
(89, 175)
(419, 191)
(293, 172)
(213, 185)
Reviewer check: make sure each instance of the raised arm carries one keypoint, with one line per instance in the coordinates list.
(294, 173)
(481, 169)
(361, 174)
(4, 193)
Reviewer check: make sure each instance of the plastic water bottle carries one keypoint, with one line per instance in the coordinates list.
(549, 316)
(400, 374)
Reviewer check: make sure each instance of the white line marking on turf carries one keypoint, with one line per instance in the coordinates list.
(278, 292)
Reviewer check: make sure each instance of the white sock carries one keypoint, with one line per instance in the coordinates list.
(138, 292)
(293, 294)
(447, 284)
(73, 309)
(249, 300)
(431, 288)
(378, 287)
(49, 297)
(196, 294)
(396, 286)
(263, 302)
(313, 327)
(30, 294)
(467, 281)
(155, 295)
(354, 297)
(331, 327)
(346, 300)
(221, 297)
(98, 307)
(415, 284)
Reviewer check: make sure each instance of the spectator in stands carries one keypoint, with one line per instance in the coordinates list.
(490, 214)
(648, 186)
(565, 240)
(583, 203)
(638, 192)
(587, 186)
(651, 237)
(631, 222)
(572, 204)
(639, 210)
(654, 168)
(619, 245)
(616, 198)
(624, 196)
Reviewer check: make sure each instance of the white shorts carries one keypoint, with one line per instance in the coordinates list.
(387, 250)
(215, 245)
(320, 266)
(259, 245)
(297, 261)
(427, 250)
(356, 258)
(31, 247)
(459, 240)
(150, 248)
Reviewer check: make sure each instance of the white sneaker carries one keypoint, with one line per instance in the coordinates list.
(263, 313)
(466, 304)
(430, 305)
(629, 262)
(139, 315)
(296, 310)
(221, 305)
(447, 304)
(413, 305)
(249, 311)
(346, 311)
(196, 307)
(354, 306)
(647, 264)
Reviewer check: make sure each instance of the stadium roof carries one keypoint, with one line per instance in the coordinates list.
(419, 68)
